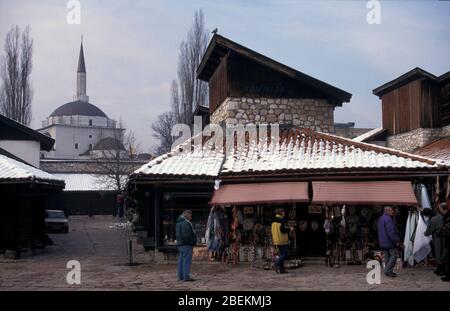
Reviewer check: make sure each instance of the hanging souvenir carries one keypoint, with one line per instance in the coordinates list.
(248, 210)
(366, 213)
(248, 224)
(314, 225)
(336, 211)
(343, 216)
(302, 225)
(292, 213)
(292, 223)
(327, 226)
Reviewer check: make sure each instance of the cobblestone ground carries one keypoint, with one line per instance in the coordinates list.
(102, 253)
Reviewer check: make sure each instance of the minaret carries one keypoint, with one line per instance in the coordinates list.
(81, 77)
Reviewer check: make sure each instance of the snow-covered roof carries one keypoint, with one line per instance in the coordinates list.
(364, 137)
(87, 182)
(298, 150)
(302, 150)
(15, 171)
(199, 162)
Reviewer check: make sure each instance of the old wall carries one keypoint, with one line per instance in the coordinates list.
(316, 114)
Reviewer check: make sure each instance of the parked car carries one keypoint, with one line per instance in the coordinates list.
(56, 220)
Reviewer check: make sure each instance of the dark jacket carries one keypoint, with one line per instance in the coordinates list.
(434, 229)
(184, 232)
(388, 237)
(445, 231)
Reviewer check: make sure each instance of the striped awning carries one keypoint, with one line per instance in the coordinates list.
(261, 193)
(363, 192)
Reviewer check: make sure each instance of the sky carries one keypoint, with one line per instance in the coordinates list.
(131, 48)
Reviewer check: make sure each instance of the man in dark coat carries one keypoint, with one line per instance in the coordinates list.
(186, 240)
(434, 229)
(389, 240)
(445, 233)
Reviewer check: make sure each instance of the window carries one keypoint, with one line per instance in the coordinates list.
(76, 146)
(90, 136)
(90, 146)
(90, 122)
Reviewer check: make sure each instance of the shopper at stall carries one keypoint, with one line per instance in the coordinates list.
(434, 229)
(280, 237)
(445, 233)
(389, 240)
(186, 240)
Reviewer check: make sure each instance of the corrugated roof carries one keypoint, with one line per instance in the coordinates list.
(14, 171)
(303, 150)
(201, 162)
(298, 150)
(87, 182)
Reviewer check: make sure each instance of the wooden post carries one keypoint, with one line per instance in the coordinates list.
(158, 213)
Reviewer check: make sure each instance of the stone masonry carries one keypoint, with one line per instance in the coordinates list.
(410, 141)
(316, 114)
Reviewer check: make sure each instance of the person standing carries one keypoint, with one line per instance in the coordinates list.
(186, 240)
(388, 240)
(280, 239)
(434, 229)
(445, 233)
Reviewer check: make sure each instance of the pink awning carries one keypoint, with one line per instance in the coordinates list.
(363, 192)
(261, 193)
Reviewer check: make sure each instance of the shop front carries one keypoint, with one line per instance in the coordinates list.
(332, 189)
(338, 222)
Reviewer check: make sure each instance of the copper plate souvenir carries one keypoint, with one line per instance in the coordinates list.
(303, 225)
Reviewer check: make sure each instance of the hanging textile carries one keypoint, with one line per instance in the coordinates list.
(421, 247)
(409, 237)
(437, 192)
(217, 230)
(424, 198)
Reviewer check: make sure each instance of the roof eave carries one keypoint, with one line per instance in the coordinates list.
(414, 74)
(338, 94)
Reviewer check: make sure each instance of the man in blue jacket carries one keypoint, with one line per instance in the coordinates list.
(389, 240)
(186, 240)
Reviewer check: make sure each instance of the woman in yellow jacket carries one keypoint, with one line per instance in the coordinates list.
(280, 237)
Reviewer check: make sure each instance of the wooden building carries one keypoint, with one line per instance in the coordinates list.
(416, 99)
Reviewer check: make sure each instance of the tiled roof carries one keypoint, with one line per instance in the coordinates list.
(198, 163)
(14, 171)
(86, 182)
(439, 149)
(302, 150)
(298, 150)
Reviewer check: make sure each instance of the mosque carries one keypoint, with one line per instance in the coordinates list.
(81, 129)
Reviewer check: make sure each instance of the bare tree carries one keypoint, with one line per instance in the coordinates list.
(163, 128)
(115, 157)
(16, 93)
(187, 91)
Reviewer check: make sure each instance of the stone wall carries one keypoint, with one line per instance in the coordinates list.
(316, 114)
(410, 141)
